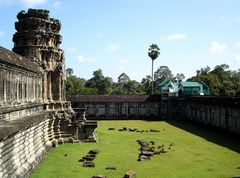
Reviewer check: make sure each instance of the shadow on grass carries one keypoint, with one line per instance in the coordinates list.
(213, 135)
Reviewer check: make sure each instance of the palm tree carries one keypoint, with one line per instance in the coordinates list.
(153, 53)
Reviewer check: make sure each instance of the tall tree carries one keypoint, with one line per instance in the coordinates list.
(146, 84)
(69, 72)
(131, 87)
(221, 80)
(123, 78)
(98, 81)
(74, 85)
(179, 77)
(162, 73)
(153, 53)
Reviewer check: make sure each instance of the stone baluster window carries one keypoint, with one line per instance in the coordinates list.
(20, 90)
(2, 91)
(30, 88)
(25, 90)
(8, 91)
(11, 88)
(39, 90)
(33, 95)
(16, 90)
(36, 90)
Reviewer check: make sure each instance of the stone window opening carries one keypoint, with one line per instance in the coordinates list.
(3, 91)
(8, 91)
(20, 90)
(25, 90)
(16, 91)
(36, 90)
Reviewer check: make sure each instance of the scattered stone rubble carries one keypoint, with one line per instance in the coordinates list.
(129, 174)
(148, 149)
(99, 176)
(111, 168)
(89, 158)
(134, 130)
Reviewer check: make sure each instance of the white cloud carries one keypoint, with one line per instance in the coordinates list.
(57, 4)
(123, 61)
(217, 47)
(113, 47)
(72, 50)
(83, 59)
(176, 36)
(32, 3)
(2, 34)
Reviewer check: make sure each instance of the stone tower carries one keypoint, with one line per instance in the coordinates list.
(38, 38)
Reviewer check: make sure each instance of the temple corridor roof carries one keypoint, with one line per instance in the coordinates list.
(17, 60)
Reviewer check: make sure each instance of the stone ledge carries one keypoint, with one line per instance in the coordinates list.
(8, 109)
(9, 128)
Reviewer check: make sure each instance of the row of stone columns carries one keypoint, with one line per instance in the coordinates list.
(19, 87)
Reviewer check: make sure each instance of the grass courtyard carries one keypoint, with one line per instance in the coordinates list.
(197, 153)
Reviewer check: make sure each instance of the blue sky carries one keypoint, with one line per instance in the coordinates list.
(114, 35)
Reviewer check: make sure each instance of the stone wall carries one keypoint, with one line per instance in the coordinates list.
(121, 110)
(218, 112)
(24, 142)
(117, 106)
(20, 87)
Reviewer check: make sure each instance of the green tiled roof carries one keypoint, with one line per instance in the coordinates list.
(174, 86)
(196, 88)
(165, 82)
(191, 84)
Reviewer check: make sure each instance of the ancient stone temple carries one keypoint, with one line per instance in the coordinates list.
(38, 38)
(34, 114)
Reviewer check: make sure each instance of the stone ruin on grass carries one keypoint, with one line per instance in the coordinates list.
(88, 159)
(126, 129)
(148, 149)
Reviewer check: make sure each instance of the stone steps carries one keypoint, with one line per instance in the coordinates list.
(21, 152)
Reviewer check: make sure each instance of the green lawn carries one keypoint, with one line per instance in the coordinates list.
(198, 153)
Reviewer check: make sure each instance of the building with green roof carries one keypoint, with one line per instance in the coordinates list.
(171, 88)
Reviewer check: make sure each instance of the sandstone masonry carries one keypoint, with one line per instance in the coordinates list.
(34, 114)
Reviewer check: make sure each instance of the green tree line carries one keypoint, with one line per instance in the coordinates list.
(221, 81)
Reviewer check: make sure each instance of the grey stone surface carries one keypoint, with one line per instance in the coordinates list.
(111, 168)
(88, 164)
(99, 176)
(130, 174)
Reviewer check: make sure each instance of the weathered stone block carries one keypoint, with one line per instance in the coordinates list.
(130, 174)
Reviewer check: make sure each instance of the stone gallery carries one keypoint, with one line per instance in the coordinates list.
(34, 114)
